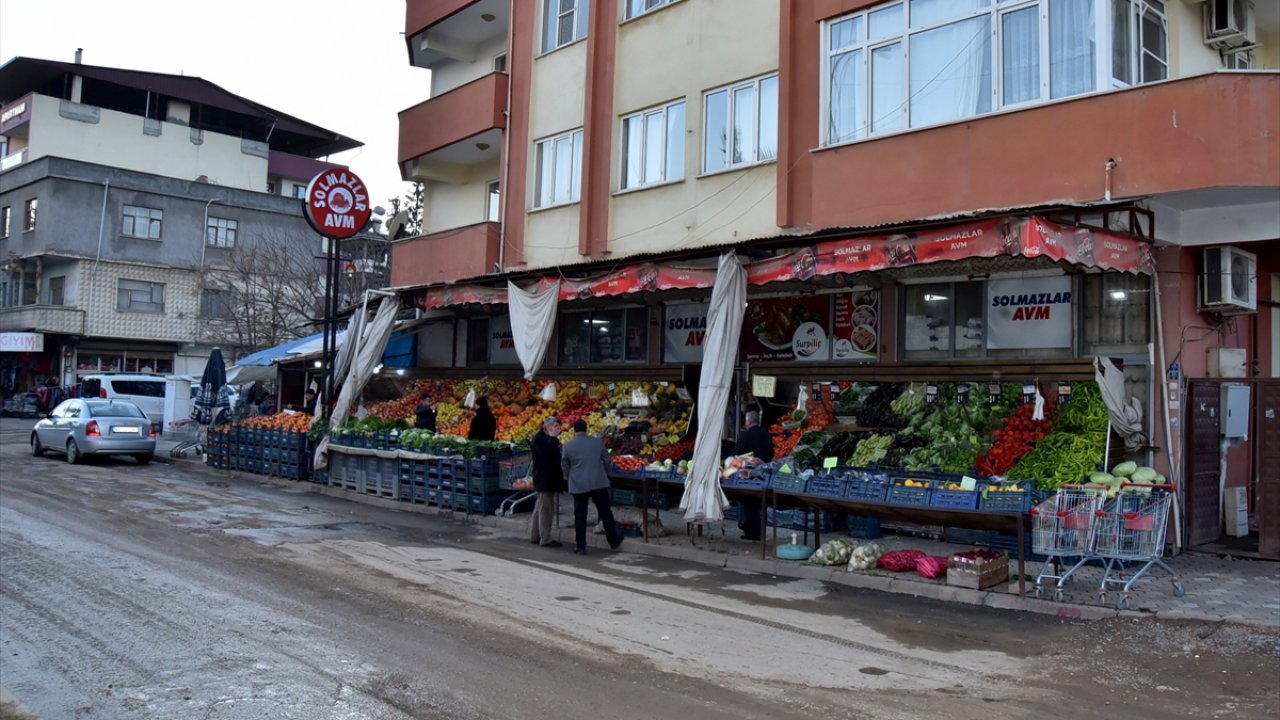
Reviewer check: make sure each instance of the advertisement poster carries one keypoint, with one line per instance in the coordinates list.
(1029, 313)
(855, 331)
(787, 328)
(502, 348)
(683, 332)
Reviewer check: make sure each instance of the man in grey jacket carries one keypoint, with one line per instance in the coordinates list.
(586, 466)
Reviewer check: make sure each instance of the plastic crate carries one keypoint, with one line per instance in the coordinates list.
(788, 482)
(624, 497)
(746, 481)
(482, 485)
(965, 536)
(826, 486)
(954, 499)
(866, 489)
(996, 501)
(485, 504)
(867, 528)
(482, 467)
(900, 494)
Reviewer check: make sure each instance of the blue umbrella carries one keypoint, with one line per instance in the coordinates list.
(213, 399)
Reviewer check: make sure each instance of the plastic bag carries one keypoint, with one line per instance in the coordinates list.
(899, 560)
(549, 393)
(834, 552)
(470, 400)
(932, 566)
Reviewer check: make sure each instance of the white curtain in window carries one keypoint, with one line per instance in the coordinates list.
(1020, 55)
(1072, 47)
(951, 72)
(533, 316)
(844, 89)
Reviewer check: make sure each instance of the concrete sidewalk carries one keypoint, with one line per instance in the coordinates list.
(1217, 588)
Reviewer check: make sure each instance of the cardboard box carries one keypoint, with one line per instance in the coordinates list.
(978, 576)
(1237, 523)
(1235, 498)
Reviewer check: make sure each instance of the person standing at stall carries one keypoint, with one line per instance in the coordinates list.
(425, 415)
(484, 426)
(754, 439)
(548, 481)
(586, 465)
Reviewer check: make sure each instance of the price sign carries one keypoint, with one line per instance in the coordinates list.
(962, 393)
(930, 394)
(1064, 393)
(1028, 393)
(829, 463)
(993, 393)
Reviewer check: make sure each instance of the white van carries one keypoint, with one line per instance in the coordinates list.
(145, 391)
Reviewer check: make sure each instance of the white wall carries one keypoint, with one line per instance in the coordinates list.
(453, 205)
(435, 341)
(450, 75)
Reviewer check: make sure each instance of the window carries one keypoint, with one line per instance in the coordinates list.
(271, 188)
(57, 289)
(299, 191)
(944, 320)
(604, 336)
(29, 215)
(220, 232)
(1116, 312)
(653, 146)
(500, 62)
(478, 340)
(4, 222)
(141, 222)
(640, 7)
(139, 296)
(925, 62)
(142, 388)
(1140, 36)
(492, 201)
(215, 304)
(563, 21)
(740, 124)
(558, 164)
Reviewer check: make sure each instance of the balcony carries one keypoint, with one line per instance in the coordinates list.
(439, 31)
(441, 137)
(1183, 138)
(445, 256)
(43, 318)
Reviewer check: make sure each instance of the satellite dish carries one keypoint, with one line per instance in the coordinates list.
(395, 228)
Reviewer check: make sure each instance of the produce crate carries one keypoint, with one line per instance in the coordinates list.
(954, 499)
(866, 489)
(443, 498)
(746, 481)
(788, 482)
(482, 485)
(978, 575)
(482, 467)
(485, 504)
(1006, 501)
(624, 497)
(412, 471)
(414, 493)
(900, 494)
(965, 536)
(867, 528)
(826, 486)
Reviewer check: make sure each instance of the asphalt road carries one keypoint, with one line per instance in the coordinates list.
(181, 592)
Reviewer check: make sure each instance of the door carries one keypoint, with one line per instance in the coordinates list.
(1267, 447)
(1203, 463)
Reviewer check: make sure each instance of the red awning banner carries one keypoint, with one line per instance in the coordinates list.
(1031, 238)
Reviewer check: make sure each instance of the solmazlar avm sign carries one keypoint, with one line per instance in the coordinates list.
(337, 204)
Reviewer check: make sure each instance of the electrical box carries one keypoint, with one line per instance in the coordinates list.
(1226, 362)
(1235, 410)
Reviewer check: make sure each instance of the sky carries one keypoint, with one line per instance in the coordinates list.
(340, 65)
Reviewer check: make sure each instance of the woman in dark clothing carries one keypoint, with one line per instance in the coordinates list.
(484, 426)
(548, 480)
(756, 440)
(425, 415)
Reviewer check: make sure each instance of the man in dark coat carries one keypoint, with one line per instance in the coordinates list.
(586, 467)
(484, 426)
(756, 440)
(425, 415)
(548, 481)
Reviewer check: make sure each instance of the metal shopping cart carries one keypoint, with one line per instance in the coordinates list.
(190, 435)
(1132, 529)
(514, 475)
(1063, 527)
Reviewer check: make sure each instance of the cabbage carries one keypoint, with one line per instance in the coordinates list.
(1101, 478)
(1144, 475)
(1125, 469)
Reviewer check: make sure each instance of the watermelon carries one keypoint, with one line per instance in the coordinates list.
(1125, 469)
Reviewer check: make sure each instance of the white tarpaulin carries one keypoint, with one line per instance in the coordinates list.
(533, 317)
(703, 500)
(367, 353)
(1126, 414)
(342, 362)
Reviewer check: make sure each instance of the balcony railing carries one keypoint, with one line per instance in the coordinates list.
(43, 318)
(445, 256)
(447, 121)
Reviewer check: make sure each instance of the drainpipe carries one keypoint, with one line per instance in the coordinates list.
(505, 170)
(1108, 168)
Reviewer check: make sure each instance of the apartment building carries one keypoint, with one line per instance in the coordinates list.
(147, 217)
(914, 161)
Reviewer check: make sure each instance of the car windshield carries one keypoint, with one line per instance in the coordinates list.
(114, 409)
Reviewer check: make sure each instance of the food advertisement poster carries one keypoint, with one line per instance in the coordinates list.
(855, 332)
(787, 328)
(1029, 313)
(683, 332)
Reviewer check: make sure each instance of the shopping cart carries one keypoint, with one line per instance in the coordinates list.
(512, 475)
(191, 435)
(1062, 527)
(1132, 529)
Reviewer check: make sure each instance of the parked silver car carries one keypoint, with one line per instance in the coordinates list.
(95, 427)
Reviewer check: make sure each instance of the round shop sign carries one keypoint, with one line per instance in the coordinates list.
(337, 204)
(809, 342)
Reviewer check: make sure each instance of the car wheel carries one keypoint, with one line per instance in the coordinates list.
(143, 459)
(37, 448)
(73, 451)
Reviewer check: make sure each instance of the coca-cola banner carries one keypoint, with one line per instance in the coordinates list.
(855, 327)
(1082, 246)
(676, 277)
(787, 328)
(683, 330)
(988, 238)
(797, 265)
(1029, 313)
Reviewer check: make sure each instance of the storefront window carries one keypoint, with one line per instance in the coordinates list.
(944, 320)
(604, 336)
(1117, 312)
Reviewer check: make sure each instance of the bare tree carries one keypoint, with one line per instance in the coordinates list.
(411, 204)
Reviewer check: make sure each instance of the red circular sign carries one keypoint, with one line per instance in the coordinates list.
(337, 204)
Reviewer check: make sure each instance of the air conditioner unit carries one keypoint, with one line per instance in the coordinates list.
(1229, 25)
(1229, 281)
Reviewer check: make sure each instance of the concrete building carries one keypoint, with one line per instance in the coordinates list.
(145, 218)
(1127, 152)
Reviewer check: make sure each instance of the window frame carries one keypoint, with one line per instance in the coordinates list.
(575, 137)
(1137, 52)
(663, 111)
(5, 216)
(128, 304)
(29, 211)
(58, 283)
(588, 316)
(649, 6)
(132, 215)
(730, 92)
(215, 299)
(299, 192)
(221, 235)
(555, 9)
(493, 200)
